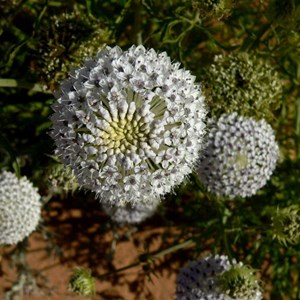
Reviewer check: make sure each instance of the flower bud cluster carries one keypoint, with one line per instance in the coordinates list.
(82, 282)
(218, 8)
(69, 39)
(215, 278)
(61, 179)
(243, 83)
(286, 225)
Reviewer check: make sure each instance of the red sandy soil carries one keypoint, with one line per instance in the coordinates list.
(85, 239)
(161, 287)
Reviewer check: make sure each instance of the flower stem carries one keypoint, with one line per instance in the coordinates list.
(137, 22)
(153, 256)
(253, 41)
(227, 247)
(13, 83)
(174, 248)
(297, 125)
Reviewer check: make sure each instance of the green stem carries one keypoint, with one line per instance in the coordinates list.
(13, 83)
(13, 157)
(222, 221)
(297, 121)
(227, 247)
(253, 41)
(153, 256)
(119, 270)
(195, 178)
(137, 22)
(174, 248)
(120, 19)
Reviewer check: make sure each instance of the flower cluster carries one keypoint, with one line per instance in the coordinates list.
(245, 84)
(82, 282)
(131, 214)
(215, 278)
(60, 178)
(218, 8)
(130, 124)
(20, 208)
(70, 38)
(286, 225)
(239, 157)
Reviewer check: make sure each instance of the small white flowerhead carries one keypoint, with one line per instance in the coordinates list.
(20, 208)
(130, 124)
(131, 214)
(239, 157)
(215, 278)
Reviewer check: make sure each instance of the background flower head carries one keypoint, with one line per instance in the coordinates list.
(239, 157)
(215, 278)
(131, 214)
(20, 208)
(130, 124)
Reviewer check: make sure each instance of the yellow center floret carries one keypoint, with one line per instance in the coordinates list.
(126, 135)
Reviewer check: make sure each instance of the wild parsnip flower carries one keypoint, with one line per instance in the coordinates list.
(60, 178)
(243, 83)
(130, 124)
(65, 41)
(215, 278)
(286, 225)
(218, 8)
(239, 157)
(131, 214)
(20, 208)
(82, 282)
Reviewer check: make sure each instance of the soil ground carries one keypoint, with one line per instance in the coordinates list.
(73, 236)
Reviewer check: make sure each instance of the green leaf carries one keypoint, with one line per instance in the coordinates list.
(13, 159)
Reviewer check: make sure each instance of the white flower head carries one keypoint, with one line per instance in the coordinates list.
(130, 124)
(239, 157)
(215, 278)
(131, 214)
(20, 208)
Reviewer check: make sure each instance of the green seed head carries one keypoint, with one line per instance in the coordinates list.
(239, 282)
(245, 84)
(286, 225)
(217, 8)
(62, 45)
(81, 282)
